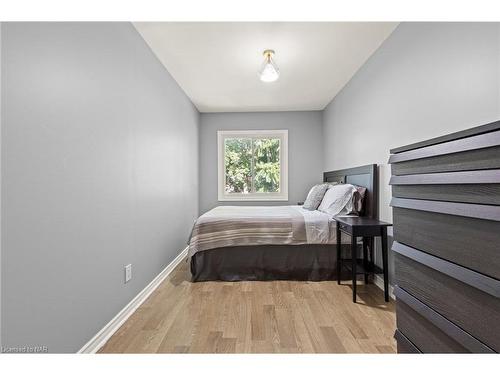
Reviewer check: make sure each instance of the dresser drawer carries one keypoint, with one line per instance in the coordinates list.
(467, 241)
(477, 152)
(488, 158)
(429, 331)
(473, 193)
(475, 309)
(405, 346)
(479, 187)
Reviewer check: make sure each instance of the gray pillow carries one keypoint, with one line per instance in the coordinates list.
(315, 196)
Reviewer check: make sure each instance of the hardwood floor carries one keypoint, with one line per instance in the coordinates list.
(257, 317)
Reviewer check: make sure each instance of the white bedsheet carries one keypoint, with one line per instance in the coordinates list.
(320, 226)
(229, 226)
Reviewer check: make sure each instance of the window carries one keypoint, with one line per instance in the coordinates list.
(253, 165)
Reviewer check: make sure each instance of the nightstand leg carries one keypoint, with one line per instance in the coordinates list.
(354, 259)
(386, 265)
(339, 255)
(365, 257)
(371, 245)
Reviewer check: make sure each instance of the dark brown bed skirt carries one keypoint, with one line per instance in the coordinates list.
(271, 262)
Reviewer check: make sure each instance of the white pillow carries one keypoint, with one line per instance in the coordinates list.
(337, 198)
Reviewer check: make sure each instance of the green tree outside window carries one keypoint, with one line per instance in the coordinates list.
(252, 165)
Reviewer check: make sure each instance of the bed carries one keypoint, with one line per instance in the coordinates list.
(237, 243)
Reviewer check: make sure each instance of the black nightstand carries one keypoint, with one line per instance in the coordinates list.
(368, 229)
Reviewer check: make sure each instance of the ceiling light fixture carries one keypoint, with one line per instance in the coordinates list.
(269, 71)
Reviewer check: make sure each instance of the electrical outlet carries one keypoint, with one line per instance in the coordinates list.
(128, 272)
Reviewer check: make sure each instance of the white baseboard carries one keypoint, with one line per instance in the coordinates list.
(96, 342)
(379, 281)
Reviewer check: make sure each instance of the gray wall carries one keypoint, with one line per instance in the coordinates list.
(99, 169)
(99, 155)
(304, 151)
(0, 186)
(426, 80)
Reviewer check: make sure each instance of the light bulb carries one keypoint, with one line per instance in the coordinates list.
(269, 72)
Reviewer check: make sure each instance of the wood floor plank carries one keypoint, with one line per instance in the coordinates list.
(286, 330)
(333, 340)
(243, 333)
(271, 327)
(257, 317)
(313, 328)
(385, 349)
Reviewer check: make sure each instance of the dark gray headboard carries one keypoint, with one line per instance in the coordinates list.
(365, 176)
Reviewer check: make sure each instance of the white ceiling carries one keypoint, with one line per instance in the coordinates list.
(217, 63)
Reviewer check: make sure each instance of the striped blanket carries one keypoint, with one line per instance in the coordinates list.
(226, 226)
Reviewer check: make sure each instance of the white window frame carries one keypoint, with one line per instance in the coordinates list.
(222, 135)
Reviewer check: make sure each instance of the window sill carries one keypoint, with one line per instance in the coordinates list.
(253, 199)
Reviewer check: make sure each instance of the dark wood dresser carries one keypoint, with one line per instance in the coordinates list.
(446, 212)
